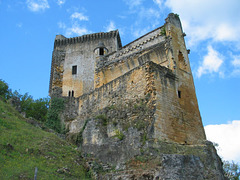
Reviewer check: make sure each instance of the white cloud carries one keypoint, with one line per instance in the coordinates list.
(111, 26)
(133, 3)
(61, 2)
(236, 61)
(227, 136)
(159, 3)
(76, 30)
(236, 64)
(211, 63)
(204, 19)
(149, 13)
(62, 25)
(140, 31)
(79, 16)
(37, 5)
(147, 18)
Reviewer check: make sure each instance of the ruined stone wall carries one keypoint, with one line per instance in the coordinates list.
(159, 69)
(128, 88)
(125, 116)
(173, 118)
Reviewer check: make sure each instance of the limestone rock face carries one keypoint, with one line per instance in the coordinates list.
(124, 149)
(205, 165)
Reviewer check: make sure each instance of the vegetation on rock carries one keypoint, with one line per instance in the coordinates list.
(53, 119)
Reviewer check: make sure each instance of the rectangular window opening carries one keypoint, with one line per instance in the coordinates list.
(74, 69)
(179, 94)
(101, 51)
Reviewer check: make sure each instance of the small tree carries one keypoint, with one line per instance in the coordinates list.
(26, 103)
(38, 109)
(53, 119)
(232, 170)
(5, 92)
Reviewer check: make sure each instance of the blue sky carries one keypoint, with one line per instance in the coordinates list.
(28, 29)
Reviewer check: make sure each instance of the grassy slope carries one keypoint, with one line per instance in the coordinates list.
(24, 147)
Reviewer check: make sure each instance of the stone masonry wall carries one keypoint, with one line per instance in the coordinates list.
(79, 52)
(155, 53)
(115, 121)
(127, 88)
(177, 118)
(56, 77)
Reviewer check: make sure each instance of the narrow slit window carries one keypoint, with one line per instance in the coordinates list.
(72, 93)
(74, 69)
(179, 94)
(69, 93)
(101, 51)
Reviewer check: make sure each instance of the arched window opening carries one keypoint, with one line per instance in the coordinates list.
(72, 93)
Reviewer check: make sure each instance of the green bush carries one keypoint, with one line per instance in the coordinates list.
(103, 119)
(38, 109)
(119, 134)
(163, 31)
(53, 119)
(5, 92)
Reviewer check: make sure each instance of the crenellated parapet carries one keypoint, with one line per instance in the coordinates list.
(60, 40)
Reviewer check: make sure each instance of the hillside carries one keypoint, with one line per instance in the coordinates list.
(24, 147)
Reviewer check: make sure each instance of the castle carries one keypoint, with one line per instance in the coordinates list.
(121, 100)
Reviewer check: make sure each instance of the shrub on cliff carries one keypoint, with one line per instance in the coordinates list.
(53, 119)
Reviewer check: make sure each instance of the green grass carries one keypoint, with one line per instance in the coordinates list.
(24, 147)
(119, 134)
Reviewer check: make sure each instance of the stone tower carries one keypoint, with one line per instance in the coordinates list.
(133, 101)
(73, 62)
